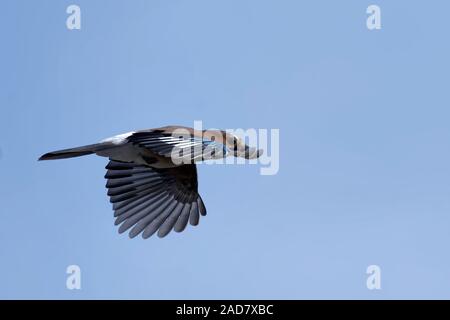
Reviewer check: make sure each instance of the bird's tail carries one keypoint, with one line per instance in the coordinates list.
(71, 153)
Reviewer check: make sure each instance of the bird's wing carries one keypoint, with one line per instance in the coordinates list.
(186, 147)
(151, 200)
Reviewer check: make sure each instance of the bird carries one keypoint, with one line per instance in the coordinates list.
(152, 174)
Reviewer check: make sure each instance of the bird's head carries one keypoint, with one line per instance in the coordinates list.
(240, 149)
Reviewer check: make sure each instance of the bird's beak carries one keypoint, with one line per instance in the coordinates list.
(252, 153)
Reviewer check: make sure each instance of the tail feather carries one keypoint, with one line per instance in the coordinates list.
(71, 153)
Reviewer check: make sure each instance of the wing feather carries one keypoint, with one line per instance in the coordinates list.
(149, 200)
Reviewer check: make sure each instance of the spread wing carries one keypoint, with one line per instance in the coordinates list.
(149, 200)
(185, 147)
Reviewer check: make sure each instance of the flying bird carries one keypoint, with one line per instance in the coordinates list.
(152, 174)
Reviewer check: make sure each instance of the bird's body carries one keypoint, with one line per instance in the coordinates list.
(152, 175)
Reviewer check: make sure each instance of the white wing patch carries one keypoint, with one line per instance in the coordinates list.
(119, 139)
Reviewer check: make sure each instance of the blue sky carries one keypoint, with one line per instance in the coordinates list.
(364, 147)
